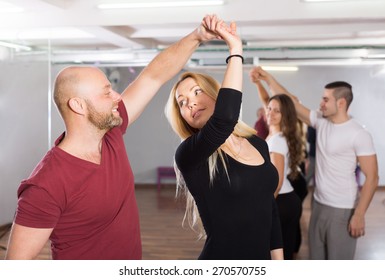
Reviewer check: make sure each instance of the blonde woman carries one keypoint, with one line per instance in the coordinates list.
(224, 167)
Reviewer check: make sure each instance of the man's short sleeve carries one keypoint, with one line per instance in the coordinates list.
(36, 208)
(363, 144)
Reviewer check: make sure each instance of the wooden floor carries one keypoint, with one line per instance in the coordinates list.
(164, 238)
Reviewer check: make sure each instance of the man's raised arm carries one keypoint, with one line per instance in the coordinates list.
(165, 66)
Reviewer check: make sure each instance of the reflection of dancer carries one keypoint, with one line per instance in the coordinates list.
(261, 125)
(311, 138)
(286, 152)
(338, 210)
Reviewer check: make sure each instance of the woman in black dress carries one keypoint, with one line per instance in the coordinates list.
(222, 166)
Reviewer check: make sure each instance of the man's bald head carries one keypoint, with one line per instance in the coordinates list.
(74, 81)
(260, 112)
(65, 87)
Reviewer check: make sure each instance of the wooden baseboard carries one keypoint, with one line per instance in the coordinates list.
(4, 229)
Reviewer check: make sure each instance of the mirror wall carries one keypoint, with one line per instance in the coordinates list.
(31, 122)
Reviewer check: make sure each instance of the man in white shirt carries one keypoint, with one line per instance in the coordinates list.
(339, 206)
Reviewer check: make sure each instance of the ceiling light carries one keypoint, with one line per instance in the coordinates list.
(43, 33)
(256, 62)
(280, 68)
(327, 0)
(380, 55)
(54, 33)
(160, 4)
(15, 46)
(6, 7)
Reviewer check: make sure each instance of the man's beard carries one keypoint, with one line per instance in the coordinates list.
(102, 121)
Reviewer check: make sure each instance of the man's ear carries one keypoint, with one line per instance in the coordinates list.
(341, 103)
(77, 105)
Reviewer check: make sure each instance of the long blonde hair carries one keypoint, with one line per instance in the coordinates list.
(210, 87)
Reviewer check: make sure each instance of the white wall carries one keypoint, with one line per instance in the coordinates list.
(150, 142)
(24, 131)
(157, 141)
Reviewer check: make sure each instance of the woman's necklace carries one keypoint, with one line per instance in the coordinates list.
(234, 144)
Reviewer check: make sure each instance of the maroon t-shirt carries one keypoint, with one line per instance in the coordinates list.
(91, 207)
(262, 128)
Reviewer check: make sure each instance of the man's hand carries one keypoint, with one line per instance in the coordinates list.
(207, 29)
(357, 226)
(257, 74)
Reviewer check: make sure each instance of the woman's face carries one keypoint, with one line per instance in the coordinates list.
(273, 113)
(195, 106)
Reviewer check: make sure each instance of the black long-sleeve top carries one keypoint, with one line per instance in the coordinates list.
(239, 216)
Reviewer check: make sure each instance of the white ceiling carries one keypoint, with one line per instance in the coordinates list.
(274, 31)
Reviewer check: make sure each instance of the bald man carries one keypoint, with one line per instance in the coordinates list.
(81, 194)
(261, 125)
